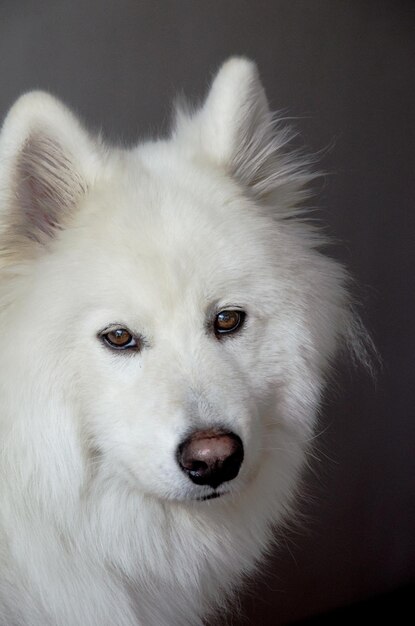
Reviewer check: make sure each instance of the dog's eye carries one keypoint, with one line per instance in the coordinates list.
(120, 339)
(228, 322)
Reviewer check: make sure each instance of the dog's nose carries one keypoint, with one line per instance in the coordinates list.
(211, 457)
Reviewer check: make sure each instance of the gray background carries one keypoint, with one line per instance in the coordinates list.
(345, 70)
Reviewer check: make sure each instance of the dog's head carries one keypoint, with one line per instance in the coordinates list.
(170, 318)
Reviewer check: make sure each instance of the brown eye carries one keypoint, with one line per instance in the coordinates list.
(228, 322)
(120, 339)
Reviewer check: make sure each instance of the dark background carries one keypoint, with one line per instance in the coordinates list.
(344, 70)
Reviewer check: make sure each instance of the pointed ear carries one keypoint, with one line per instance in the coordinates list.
(237, 131)
(47, 162)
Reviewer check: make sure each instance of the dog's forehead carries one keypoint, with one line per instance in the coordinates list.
(161, 236)
(162, 247)
(180, 218)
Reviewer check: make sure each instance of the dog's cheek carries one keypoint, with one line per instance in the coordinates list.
(133, 425)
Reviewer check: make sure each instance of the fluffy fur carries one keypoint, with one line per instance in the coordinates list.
(98, 524)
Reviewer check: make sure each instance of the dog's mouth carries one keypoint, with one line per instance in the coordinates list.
(214, 495)
(210, 496)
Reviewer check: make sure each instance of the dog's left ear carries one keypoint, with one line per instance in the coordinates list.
(47, 163)
(237, 131)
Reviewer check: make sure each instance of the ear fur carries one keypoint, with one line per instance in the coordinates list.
(237, 131)
(47, 162)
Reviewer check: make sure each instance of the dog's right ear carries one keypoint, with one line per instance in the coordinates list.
(47, 163)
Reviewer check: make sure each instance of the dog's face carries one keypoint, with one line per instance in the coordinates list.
(186, 326)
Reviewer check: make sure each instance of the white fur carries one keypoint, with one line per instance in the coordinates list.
(98, 524)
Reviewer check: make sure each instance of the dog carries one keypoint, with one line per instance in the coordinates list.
(168, 324)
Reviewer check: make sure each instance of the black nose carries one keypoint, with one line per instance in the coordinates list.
(211, 457)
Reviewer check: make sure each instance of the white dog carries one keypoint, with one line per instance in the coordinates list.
(167, 324)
